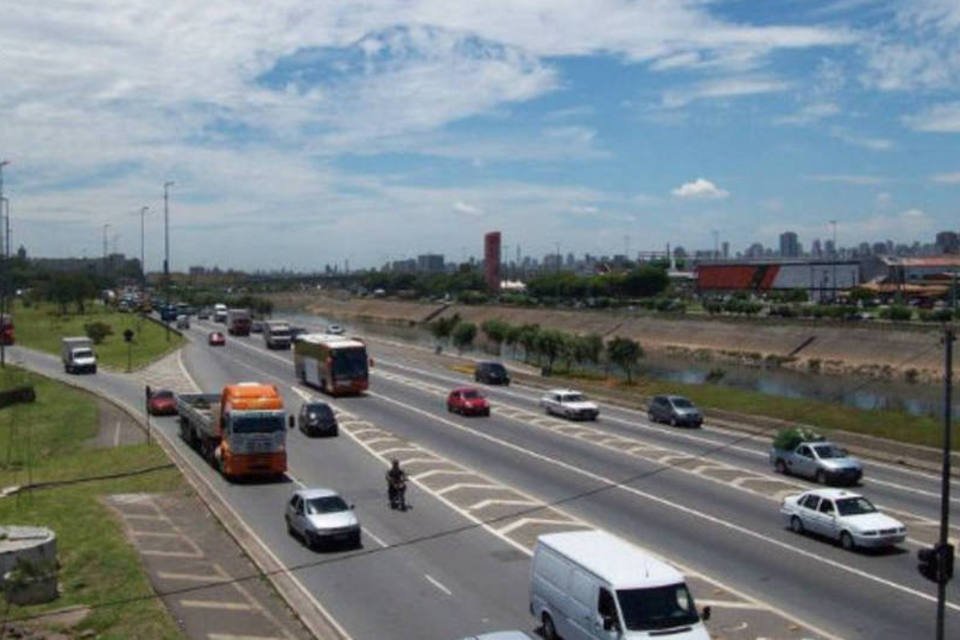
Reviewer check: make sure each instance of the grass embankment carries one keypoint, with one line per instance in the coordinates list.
(41, 326)
(46, 441)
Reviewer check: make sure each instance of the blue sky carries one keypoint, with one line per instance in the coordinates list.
(300, 133)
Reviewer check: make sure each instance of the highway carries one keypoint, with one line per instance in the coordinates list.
(704, 499)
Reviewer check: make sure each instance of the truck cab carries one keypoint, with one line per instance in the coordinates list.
(77, 355)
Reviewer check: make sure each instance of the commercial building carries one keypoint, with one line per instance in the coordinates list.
(789, 245)
(821, 279)
(491, 261)
(430, 263)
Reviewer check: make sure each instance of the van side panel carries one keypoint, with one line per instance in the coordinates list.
(549, 580)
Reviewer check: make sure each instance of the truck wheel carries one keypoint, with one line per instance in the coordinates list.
(549, 631)
(821, 477)
(796, 525)
(780, 467)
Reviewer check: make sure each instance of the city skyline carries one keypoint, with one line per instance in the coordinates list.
(380, 131)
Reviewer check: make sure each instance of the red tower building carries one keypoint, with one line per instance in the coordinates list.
(491, 261)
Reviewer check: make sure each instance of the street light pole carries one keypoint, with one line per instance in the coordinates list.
(143, 264)
(948, 339)
(835, 255)
(5, 204)
(166, 247)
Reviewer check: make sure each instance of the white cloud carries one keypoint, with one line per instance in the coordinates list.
(700, 189)
(729, 87)
(947, 178)
(469, 209)
(864, 142)
(941, 118)
(810, 114)
(860, 180)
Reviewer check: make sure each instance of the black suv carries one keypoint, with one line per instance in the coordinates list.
(491, 373)
(316, 419)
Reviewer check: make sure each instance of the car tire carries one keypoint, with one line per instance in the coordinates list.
(821, 477)
(780, 467)
(796, 525)
(549, 630)
(290, 530)
(355, 541)
(846, 541)
(673, 421)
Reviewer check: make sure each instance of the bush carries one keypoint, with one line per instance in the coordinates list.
(897, 313)
(790, 438)
(97, 331)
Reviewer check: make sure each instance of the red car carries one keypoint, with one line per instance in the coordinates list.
(162, 403)
(468, 401)
(216, 339)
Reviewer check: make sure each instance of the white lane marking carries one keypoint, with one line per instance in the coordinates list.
(644, 425)
(434, 472)
(192, 577)
(171, 554)
(687, 510)
(727, 604)
(469, 485)
(116, 435)
(217, 604)
(230, 636)
(483, 504)
(439, 585)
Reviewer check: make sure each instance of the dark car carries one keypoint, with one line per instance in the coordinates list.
(674, 410)
(256, 326)
(317, 419)
(468, 402)
(216, 339)
(296, 332)
(491, 373)
(162, 402)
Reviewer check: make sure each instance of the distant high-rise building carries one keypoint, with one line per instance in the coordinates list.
(754, 251)
(830, 248)
(948, 242)
(815, 249)
(491, 261)
(430, 263)
(725, 249)
(789, 245)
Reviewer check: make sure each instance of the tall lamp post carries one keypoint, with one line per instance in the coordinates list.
(166, 246)
(5, 204)
(143, 264)
(836, 255)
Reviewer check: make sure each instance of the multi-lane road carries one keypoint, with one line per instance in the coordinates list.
(457, 563)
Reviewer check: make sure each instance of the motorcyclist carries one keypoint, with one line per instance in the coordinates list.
(396, 484)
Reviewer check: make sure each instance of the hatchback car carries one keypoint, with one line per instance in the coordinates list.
(317, 419)
(491, 373)
(320, 516)
(183, 321)
(216, 339)
(162, 402)
(468, 402)
(674, 410)
(844, 516)
(256, 326)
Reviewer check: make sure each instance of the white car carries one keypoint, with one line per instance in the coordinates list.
(569, 404)
(844, 516)
(320, 516)
(335, 330)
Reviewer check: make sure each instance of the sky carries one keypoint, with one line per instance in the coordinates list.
(300, 133)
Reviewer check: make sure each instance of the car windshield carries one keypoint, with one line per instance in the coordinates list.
(496, 369)
(270, 423)
(657, 608)
(82, 353)
(828, 451)
(326, 504)
(163, 394)
(350, 363)
(472, 394)
(319, 411)
(855, 506)
(572, 397)
(682, 403)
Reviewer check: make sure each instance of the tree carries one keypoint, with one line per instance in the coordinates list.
(550, 344)
(588, 348)
(528, 339)
(644, 282)
(513, 336)
(97, 331)
(495, 331)
(441, 328)
(463, 335)
(625, 353)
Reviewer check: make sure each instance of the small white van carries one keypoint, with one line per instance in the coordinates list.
(587, 585)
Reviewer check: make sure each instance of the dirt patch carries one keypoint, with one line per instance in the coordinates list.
(54, 625)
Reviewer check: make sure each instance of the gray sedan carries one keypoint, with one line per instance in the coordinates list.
(319, 516)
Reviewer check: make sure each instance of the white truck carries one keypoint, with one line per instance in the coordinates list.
(77, 355)
(276, 334)
(220, 313)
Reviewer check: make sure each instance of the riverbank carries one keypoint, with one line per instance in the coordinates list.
(884, 351)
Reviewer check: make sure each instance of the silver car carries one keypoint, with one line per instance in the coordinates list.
(844, 516)
(320, 516)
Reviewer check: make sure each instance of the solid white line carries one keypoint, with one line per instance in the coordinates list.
(687, 510)
(116, 435)
(437, 584)
(217, 604)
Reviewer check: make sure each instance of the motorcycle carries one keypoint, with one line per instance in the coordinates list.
(396, 493)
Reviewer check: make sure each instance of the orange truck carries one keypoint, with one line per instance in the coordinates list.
(242, 430)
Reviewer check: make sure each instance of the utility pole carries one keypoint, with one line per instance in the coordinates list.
(105, 248)
(948, 339)
(836, 253)
(716, 245)
(143, 264)
(166, 248)
(5, 204)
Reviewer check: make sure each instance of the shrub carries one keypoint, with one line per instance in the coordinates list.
(97, 331)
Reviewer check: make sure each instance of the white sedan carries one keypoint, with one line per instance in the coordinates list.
(569, 404)
(844, 516)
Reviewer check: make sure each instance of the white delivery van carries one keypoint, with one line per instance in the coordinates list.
(587, 585)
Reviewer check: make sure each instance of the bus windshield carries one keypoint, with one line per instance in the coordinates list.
(256, 423)
(349, 363)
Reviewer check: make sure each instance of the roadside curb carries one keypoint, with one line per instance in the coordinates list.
(302, 604)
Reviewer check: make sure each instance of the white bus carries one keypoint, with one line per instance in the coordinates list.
(334, 364)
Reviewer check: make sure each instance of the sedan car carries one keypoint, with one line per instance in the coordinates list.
(491, 373)
(216, 339)
(844, 516)
(319, 516)
(674, 410)
(468, 402)
(317, 419)
(162, 402)
(569, 404)
(256, 326)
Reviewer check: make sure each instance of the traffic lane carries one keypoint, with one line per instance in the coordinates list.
(752, 510)
(517, 470)
(478, 581)
(918, 495)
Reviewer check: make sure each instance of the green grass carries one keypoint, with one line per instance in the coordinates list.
(41, 326)
(48, 440)
(824, 416)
